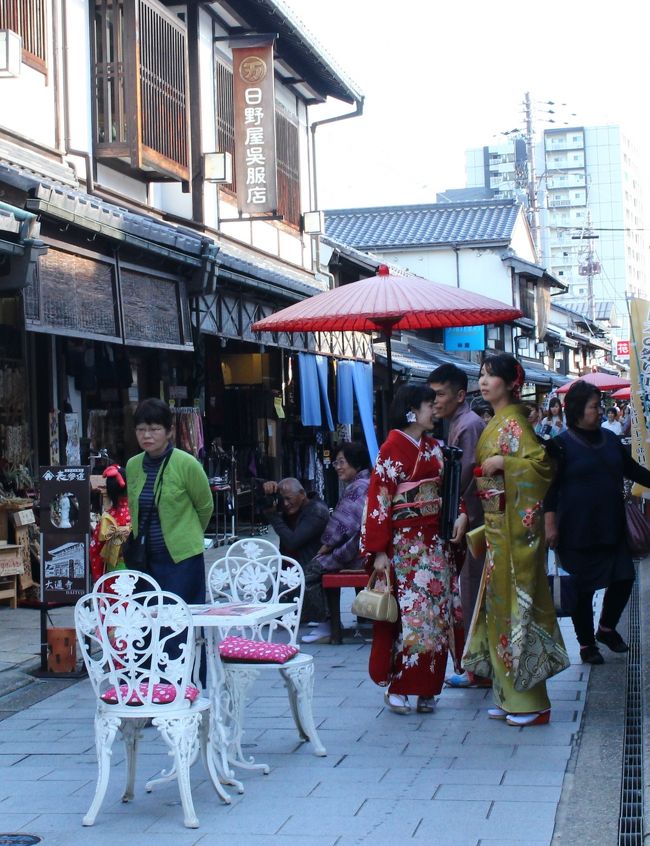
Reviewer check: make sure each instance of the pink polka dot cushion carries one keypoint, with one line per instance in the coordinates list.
(163, 694)
(234, 648)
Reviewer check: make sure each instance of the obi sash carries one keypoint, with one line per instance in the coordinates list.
(415, 501)
(491, 492)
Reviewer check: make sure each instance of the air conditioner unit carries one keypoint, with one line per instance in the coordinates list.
(11, 50)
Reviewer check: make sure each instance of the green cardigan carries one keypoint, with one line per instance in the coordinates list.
(185, 505)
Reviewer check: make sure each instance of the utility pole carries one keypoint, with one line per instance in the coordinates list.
(533, 209)
(589, 267)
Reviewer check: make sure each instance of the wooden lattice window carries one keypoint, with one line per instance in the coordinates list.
(288, 158)
(141, 89)
(225, 112)
(28, 19)
(286, 139)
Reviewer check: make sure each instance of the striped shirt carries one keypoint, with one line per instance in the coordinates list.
(155, 540)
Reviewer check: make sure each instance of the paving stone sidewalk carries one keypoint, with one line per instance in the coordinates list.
(453, 778)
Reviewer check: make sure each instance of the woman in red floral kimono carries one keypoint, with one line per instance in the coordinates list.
(113, 528)
(400, 532)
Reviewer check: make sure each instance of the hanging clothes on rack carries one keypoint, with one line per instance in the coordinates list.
(189, 430)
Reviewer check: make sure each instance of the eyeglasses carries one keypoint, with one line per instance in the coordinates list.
(149, 430)
(340, 462)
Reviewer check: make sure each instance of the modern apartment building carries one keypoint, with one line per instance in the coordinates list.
(589, 196)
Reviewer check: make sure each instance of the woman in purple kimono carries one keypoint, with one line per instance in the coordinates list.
(340, 540)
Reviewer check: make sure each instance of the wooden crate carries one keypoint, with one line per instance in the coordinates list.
(9, 590)
(23, 518)
(22, 541)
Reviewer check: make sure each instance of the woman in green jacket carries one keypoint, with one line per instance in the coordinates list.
(171, 501)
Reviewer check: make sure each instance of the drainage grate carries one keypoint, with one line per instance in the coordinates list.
(630, 821)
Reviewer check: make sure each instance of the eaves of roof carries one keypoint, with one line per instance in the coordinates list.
(297, 46)
(535, 271)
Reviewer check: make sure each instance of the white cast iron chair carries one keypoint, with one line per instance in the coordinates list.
(253, 570)
(139, 652)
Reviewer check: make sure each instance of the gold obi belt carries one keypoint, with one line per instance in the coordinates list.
(491, 492)
(416, 502)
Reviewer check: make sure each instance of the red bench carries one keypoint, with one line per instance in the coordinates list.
(332, 584)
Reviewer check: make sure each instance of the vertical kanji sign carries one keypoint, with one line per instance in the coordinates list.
(254, 106)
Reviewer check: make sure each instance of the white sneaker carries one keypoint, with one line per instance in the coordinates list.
(497, 714)
(322, 632)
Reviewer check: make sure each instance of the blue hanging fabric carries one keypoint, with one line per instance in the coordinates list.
(309, 398)
(362, 379)
(344, 392)
(321, 368)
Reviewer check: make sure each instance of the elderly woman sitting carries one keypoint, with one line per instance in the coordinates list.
(340, 541)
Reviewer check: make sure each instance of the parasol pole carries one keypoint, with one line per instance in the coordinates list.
(389, 360)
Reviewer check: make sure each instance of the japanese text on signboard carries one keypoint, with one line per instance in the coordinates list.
(254, 103)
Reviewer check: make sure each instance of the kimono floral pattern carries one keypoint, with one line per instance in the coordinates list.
(425, 575)
(514, 638)
(509, 435)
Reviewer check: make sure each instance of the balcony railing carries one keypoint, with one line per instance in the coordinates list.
(28, 19)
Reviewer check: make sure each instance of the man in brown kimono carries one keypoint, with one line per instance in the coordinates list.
(464, 430)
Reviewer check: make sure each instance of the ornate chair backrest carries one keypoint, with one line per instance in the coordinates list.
(254, 571)
(134, 643)
(125, 582)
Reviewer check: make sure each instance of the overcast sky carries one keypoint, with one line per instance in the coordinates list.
(440, 77)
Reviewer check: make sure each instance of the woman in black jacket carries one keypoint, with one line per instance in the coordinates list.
(585, 518)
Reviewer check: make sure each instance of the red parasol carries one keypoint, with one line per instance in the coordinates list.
(602, 381)
(622, 394)
(386, 303)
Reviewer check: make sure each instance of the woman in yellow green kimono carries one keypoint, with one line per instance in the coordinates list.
(514, 636)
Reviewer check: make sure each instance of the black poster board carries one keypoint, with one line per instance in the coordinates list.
(65, 528)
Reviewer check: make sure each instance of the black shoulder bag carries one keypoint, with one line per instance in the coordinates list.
(135, 546)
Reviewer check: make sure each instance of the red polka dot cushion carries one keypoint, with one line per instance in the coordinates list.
(235, 648)
(163, 694)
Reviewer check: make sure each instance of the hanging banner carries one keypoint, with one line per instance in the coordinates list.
(254, 108)
(640, 383)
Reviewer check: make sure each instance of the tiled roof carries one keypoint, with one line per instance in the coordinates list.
(435, 224)
(603, 309)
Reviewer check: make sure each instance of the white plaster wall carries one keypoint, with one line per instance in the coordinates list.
(521, 241)
(118, 182)
(27, 103)
(79, 84)
(480, 270)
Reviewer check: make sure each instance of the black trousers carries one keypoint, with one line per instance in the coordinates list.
(614, 602)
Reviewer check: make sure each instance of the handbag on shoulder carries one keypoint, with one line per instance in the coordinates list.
(135, 546)
(377, 604)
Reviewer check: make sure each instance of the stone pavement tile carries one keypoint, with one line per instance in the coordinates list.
(434, 776)
(551, 734)
(72, 745)
(429, 833)
(557, 755)
(414, 809)
(98, 835)
(538, 817)
(500, 755)
(25, 771)
(388, 828)
(361, 762)
(494, 792)
(266, 840)
(10, 822)
(489, 841)
(39, 790)
(224, 820)
(554, 778)
(46, 802)
(8, 760)
(111, 824)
